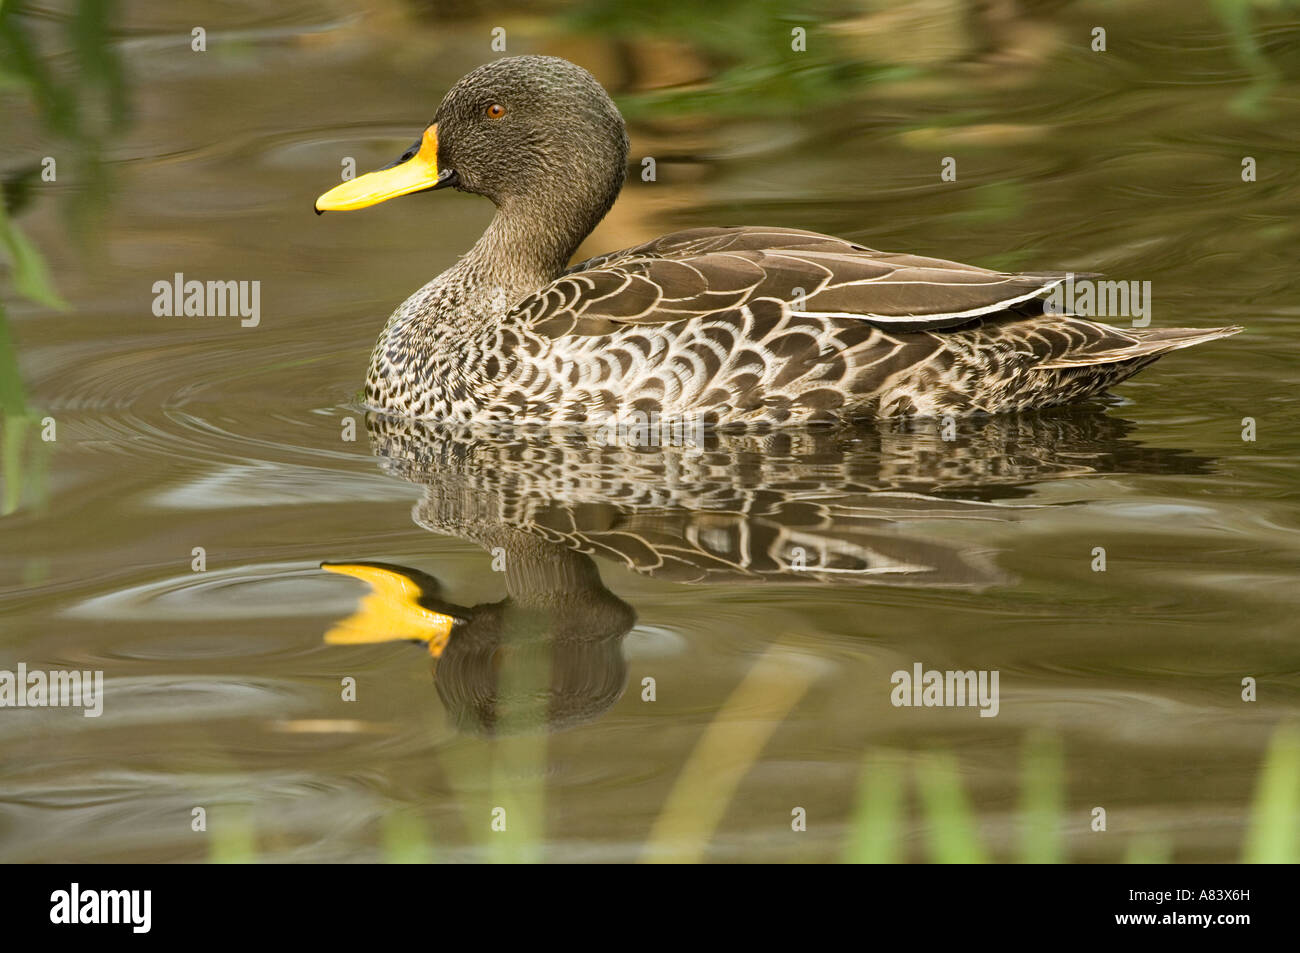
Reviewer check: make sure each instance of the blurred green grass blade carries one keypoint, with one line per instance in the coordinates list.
(57, 104)
(878, 816)
(725, 752)
(951, 829)
(1238, 18)
(233, 839)
(24, 457)
(31, 277)
(519, 768)
(1274, 833)
(15, 433)
(1147, 849)
(520, 755)
(13, 400)
(406, 839)
(15, 422)
(91, 31)
(1042, 800)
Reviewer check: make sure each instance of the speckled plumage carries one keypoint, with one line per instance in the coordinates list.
(734, 326)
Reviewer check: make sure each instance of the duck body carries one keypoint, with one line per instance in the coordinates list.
(730, 326)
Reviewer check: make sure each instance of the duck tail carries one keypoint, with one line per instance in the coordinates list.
(1146, 345)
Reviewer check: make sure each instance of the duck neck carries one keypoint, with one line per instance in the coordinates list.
(525, 248)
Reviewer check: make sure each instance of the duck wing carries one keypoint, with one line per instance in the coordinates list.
(705, 271)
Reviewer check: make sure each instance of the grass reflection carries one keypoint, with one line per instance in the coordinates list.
(67, 109)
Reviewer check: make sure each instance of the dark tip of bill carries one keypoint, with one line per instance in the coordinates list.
(318, 211)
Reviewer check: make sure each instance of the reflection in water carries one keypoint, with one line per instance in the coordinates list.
(850, 505)
(547, 656)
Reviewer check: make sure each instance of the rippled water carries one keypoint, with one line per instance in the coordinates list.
(769, 586)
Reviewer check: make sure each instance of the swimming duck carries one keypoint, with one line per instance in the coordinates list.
(733, 326)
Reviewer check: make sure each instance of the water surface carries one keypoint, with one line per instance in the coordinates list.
(771, 667)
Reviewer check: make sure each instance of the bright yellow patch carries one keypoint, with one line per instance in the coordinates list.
(390, 613)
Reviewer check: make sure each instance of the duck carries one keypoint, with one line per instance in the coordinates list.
(731, 326)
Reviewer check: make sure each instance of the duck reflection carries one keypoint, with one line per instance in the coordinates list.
(548, 656)
(870, 504)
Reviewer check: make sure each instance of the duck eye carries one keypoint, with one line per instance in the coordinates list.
(496, 111)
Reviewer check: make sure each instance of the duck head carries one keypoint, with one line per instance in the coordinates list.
(537, 135)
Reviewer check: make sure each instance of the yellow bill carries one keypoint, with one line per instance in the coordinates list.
(415, 171)
(390, 612)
